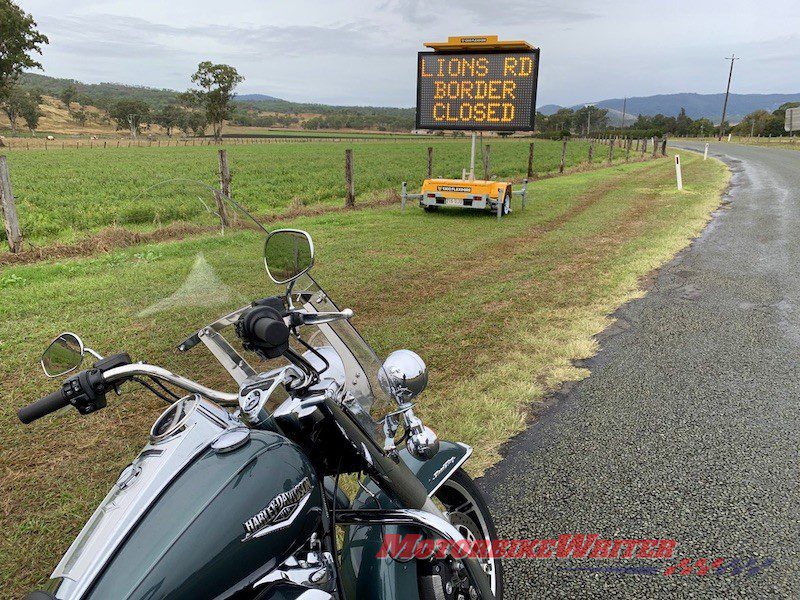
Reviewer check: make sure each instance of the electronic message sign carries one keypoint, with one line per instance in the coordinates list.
(479, 91)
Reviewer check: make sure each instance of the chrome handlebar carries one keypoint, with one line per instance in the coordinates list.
(128, 371)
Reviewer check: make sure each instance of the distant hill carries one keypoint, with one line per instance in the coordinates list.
(255, 97)
(696, 105)
(252, 109)
(103, 94)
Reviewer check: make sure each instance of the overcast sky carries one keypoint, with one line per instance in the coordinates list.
(361, 52)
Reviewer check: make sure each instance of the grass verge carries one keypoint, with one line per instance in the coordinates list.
(765, 142)
(498, 310)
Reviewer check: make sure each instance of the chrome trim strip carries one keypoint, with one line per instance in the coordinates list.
(453, 470)
(122, 509)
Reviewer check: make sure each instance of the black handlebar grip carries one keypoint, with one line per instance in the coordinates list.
(40, 408)
(271, 331)
(262, 330)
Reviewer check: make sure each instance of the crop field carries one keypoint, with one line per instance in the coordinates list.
(64, 195)
(498, 310)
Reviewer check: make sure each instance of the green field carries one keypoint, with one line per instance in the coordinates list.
(63, 195)
(498, 310)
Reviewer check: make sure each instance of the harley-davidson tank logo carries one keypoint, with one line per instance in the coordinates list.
(280, 512)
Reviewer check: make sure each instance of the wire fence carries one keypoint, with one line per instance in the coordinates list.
(104, 144)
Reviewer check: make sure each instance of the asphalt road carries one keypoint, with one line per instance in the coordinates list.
(688, 427)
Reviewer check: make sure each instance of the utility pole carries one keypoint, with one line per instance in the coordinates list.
(589, 108)
(731, 58)
(624, 106)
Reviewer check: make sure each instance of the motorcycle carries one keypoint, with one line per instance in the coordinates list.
(237, 494)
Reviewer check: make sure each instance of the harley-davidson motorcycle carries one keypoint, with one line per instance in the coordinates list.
(237, 493)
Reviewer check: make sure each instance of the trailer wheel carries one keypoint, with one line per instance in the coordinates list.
(507, 203)
(430, 208)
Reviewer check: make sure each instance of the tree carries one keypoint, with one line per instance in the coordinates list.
(130, 114)
(683, 123)
(19, 38)
(590, 117)
(217, 83)
(775, 126)
(79, 116)
(193, 121)
(19, 102)
(68, 95)
(168, 117)
(754, 123)
(702, 127)
(30, 110)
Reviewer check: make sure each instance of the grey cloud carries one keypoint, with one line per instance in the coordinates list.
(123, 35)
(513, 11)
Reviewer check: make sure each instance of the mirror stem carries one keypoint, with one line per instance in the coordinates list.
(97, 355)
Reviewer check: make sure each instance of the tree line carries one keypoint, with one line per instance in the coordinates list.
(591, 120)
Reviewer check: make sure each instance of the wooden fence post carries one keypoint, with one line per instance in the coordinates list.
(350, 200)
(9, 209)
(530, 161)
(563, 156)
(611, 151)
(655, 146)
(430, 162)
(637, 144)
(628, 144)
(486, 163)
(664, 147)
(224, 187)
(591, 151)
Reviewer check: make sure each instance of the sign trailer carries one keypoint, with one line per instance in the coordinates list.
(475, 83)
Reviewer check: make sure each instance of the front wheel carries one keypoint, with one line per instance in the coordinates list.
(463, 504)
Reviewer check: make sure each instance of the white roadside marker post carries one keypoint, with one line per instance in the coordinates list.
(729, 136)
(403, 199)
(678, 171)
(705, 152)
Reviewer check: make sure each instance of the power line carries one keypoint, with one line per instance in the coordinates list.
(731, 58)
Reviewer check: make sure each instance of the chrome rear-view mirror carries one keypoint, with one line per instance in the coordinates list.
(288, 253)
(63, 355)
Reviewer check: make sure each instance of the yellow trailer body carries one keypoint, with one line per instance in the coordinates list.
(477, 194)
